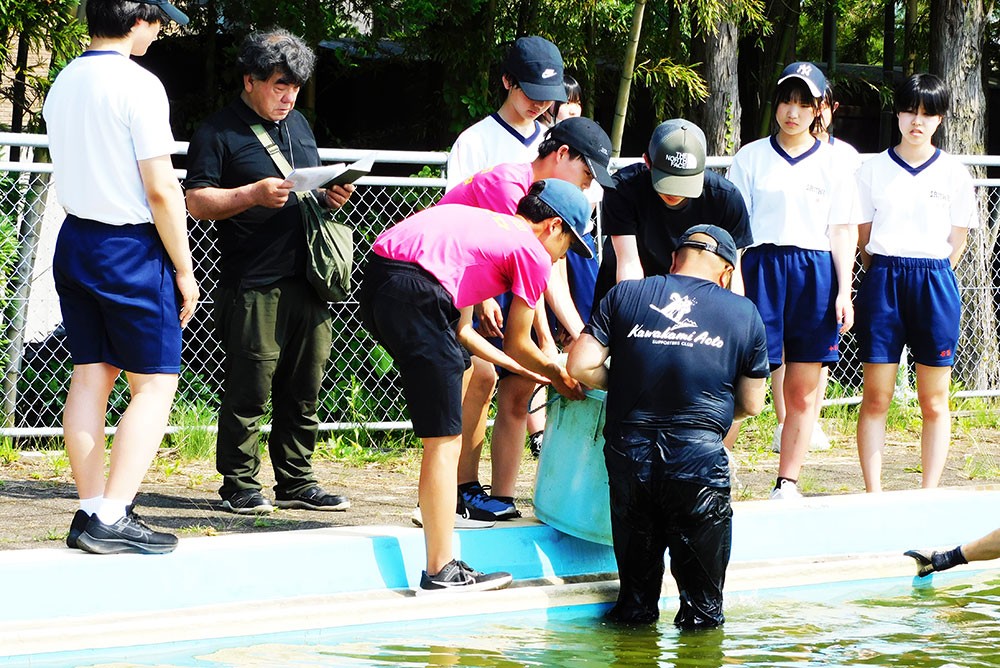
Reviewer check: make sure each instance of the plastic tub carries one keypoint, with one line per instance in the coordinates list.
(571, 486)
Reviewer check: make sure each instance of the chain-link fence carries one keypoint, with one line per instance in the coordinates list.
(360, 388)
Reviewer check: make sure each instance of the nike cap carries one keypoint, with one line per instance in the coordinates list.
(538, 67)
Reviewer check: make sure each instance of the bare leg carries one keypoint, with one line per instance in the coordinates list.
(437, 491)
(83, 425)
(879, 385)
(932, 392)
(139, 433)
(475, 409)
(983, 549)
(801, 388)
(778, 393)
(509, 431)
(536, 420)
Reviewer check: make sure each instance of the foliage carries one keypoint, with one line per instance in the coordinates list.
(49, 24)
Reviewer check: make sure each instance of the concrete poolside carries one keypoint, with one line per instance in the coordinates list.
(218, 587)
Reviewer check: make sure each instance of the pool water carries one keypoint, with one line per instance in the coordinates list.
(951, 621)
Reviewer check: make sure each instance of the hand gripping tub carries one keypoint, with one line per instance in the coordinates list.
(571, 486)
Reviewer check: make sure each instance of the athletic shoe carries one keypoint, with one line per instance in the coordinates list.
(819, 440)
(247, 502)
(535, 443)
(129, 534)
(475, 497)
(76, 528)
(776, 441)
(787, 492)
(313, 498)
(459, 576)
(465, 518)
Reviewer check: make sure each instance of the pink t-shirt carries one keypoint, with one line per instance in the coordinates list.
(475, 254)
(497, 188)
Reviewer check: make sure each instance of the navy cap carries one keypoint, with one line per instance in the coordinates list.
(570, 204)
(677, 158)
(808, 72)
(591, 141)
(172, 12)
(724, 245)
(538, 67)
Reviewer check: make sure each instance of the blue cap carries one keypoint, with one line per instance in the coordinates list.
(808, 72)
(538, 67)
(724, 245)
(172, 12)
(570, 204)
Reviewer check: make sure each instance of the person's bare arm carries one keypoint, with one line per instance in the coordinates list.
(749, 397)
(627, 256)
(843, 247)
(483, 349)
(586, 362)
(560, 300)
(518, 344)
(864, 236)
(210, 203)
(958, 238)
(166, 201)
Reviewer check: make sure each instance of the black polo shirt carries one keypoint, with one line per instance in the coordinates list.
(260, 245)
(633, 208)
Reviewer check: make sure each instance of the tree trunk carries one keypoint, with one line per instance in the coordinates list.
(909, 38)
(19, 93)
(625, 83)
(719, 114)
(957, 30)
(778, 52)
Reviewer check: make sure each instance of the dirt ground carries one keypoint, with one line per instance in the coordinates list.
(38, 498)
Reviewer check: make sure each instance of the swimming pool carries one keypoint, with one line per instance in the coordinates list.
(953, 620)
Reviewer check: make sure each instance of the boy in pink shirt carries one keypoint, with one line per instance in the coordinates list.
(416, 299)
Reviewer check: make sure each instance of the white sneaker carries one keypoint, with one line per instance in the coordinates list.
(819, 439)
(776, 442)
(786, 492)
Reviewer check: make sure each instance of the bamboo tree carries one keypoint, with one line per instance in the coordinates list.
(625, 82)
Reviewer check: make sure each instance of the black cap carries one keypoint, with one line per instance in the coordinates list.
(172, 12)
(538, 67)
(724, 245)
(591, 141)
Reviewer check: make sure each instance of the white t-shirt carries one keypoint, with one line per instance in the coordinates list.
(794, 201)
(912, 210)
(104, 113)
(846, 154)
(487, 143)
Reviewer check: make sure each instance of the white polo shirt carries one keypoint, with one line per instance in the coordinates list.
(104, 113)
(913, 209)
(794, 201)
(488, 143)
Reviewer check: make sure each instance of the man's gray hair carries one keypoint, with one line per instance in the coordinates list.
(264, 53)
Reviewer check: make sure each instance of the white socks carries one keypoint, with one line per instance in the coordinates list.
(91, 505)
(111, 510)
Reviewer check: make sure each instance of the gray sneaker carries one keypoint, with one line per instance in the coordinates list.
(247, 502)
(129, 534)
(459, 576)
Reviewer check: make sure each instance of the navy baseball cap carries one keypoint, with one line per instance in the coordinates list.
(538, 67)
(172, 12)
(677, 158)
(570, 204)
(808, 72)
(591, 141)
(724, 245)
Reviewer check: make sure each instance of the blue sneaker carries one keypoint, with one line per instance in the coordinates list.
(475, 497)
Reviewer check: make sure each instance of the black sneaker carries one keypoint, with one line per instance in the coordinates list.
(76, 528)
(314, 498)
(247, 502)
(459, 576)
(465, 517)
(129, 534)
(535, 443)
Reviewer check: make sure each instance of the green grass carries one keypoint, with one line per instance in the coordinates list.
(194, 439)
(8, 453)
(359, 448)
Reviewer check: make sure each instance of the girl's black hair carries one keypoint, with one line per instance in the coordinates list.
(115, 18)
(574, 93)
(795, 90)
(922, 90)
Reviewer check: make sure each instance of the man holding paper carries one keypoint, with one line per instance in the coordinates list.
(275, 331)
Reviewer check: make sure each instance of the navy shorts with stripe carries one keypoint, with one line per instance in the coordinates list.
(413, 317)
(118, 296)
(795, 291)
(911, 301)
